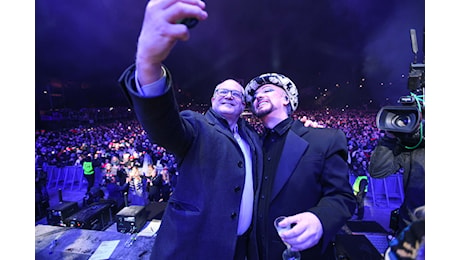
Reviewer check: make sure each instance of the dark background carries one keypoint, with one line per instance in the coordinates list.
(351, 53)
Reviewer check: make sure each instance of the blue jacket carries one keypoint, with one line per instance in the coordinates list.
(201, 218)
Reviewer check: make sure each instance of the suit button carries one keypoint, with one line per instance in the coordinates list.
(233, 216)
(240, 164)
(237, 188)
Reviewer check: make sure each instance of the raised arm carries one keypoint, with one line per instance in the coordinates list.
(160, 32)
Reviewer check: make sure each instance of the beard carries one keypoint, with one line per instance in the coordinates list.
(263, 111)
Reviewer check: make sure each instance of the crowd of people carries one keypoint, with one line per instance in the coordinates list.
(118, 146)
(66, 147)
(119, 151)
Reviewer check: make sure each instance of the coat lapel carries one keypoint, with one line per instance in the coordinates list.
(293, 150)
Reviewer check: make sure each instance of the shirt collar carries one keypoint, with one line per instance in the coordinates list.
(282, 127)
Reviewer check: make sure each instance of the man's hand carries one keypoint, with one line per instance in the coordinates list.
(160, 32)
(308, 123)
(305, 234)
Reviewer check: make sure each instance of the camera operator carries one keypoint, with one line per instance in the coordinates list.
(402, 146)
(389, 156)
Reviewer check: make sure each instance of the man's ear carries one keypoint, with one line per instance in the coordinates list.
(286, 99)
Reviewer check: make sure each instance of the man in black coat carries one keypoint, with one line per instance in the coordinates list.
(305, 176)
(210, 211)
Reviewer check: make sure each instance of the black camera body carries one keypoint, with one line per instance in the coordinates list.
(407, 121)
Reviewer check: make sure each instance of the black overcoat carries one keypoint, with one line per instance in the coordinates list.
(312, 176)
(201, 218)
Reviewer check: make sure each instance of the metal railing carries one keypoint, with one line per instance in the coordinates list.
(67, 177)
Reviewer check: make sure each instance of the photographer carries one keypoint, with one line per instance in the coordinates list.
(390, 155)
(402, 146)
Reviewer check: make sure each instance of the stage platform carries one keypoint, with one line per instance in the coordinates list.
(56, 242)
(76, 243)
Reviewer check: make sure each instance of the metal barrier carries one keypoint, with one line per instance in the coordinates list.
(387, 188)
(64, 177)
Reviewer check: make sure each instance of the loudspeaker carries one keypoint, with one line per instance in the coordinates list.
(366, 227)
(58, 213)
(355, 247)
(96, 216)
(131, 219)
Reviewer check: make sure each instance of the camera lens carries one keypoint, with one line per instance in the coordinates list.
(402, 121)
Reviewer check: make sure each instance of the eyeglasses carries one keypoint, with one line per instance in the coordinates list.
(224, 92)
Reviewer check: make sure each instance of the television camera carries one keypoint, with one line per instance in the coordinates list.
(407, 121)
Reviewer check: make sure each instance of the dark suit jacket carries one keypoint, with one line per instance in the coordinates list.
(201, 218)
(312, 176)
